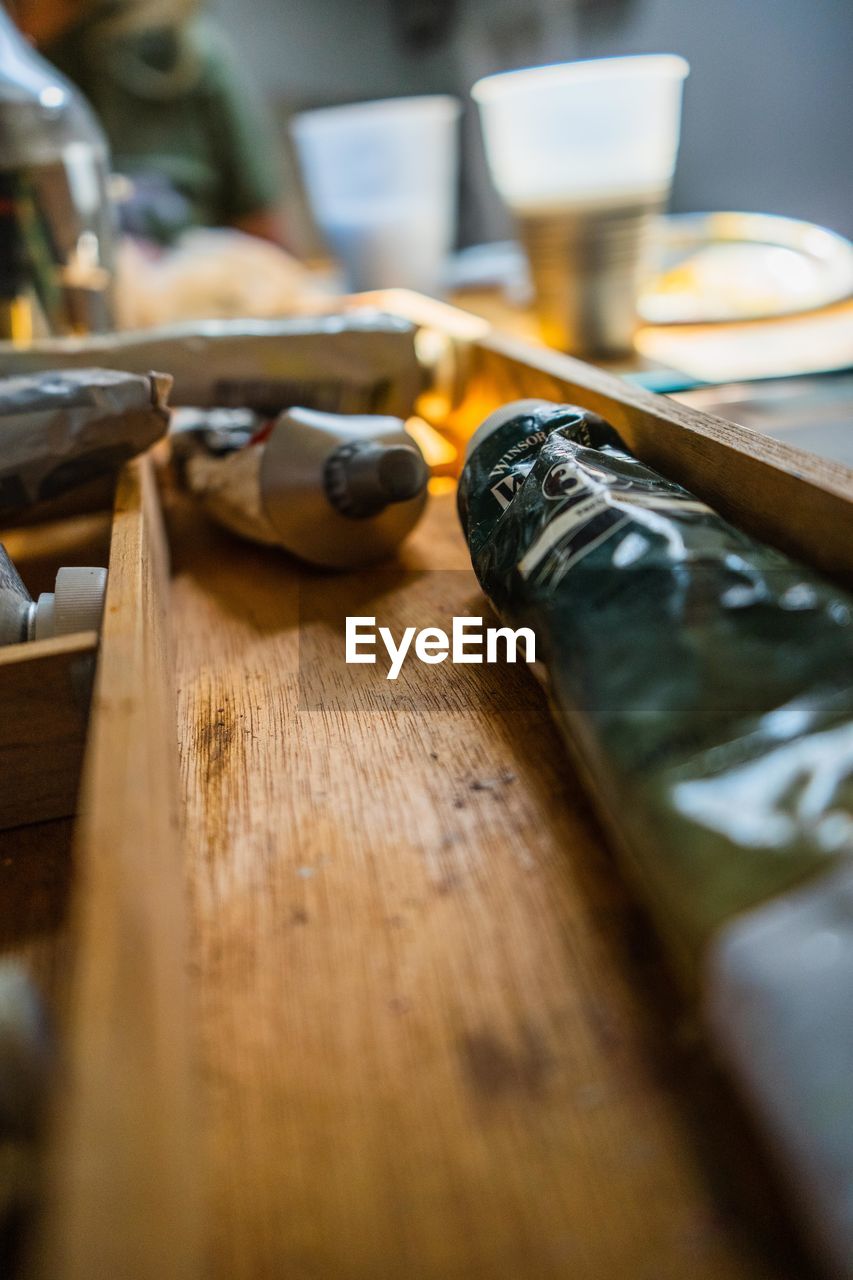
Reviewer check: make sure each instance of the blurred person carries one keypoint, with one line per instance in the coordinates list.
(182, 122)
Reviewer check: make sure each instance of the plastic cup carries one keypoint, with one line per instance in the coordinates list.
(583, 155)
(381, 180)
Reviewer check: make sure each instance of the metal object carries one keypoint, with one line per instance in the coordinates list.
(586, 266)
(16, 604)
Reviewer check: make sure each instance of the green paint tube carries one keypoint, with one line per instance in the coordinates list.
(703, 681)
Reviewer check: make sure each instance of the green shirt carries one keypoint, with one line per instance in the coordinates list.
(175, 105)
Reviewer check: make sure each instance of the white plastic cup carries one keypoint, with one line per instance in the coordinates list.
(583, 155)
(381, 180)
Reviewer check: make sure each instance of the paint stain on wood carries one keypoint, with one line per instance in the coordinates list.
(495, 1068)
(214, 736)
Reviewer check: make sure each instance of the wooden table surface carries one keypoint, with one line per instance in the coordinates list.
(433, 1036)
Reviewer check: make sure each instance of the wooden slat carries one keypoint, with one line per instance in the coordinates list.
(786, 496)
(44, 700)
(45, 686)
(123, 1181)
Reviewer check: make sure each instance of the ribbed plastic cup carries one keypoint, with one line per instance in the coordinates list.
(583, 155)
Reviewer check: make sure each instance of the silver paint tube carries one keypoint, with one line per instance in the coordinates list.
(60, 431)
(360, 362)
(16, 603)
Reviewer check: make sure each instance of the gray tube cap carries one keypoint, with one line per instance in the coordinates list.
(363, 479)
(341, 490)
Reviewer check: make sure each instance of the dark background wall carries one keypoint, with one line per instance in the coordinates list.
(768, 114)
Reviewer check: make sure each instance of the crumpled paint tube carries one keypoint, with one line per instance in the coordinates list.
(704, 683)
(362, 361)
(61, 431)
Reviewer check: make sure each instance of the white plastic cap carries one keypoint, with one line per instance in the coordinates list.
(75, 604)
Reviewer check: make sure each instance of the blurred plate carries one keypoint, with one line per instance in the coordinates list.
(725, 267)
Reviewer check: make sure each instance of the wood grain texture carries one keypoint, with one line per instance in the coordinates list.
(44, 701)
(121, 1204)
(432, 1037)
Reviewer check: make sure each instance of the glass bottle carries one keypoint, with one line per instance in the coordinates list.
(57, 237)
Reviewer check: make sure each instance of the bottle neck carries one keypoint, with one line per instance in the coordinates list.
(21, 66)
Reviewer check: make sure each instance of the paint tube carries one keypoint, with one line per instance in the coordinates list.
(699, 673)
(16, 604)
(360, 362)
(61, 433)
(336, 491)
(75, 604)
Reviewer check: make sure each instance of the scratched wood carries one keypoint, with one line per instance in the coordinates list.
(432, 1036)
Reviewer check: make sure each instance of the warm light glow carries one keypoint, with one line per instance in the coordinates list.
(437, 449)
(16, 321)
(430, 313)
